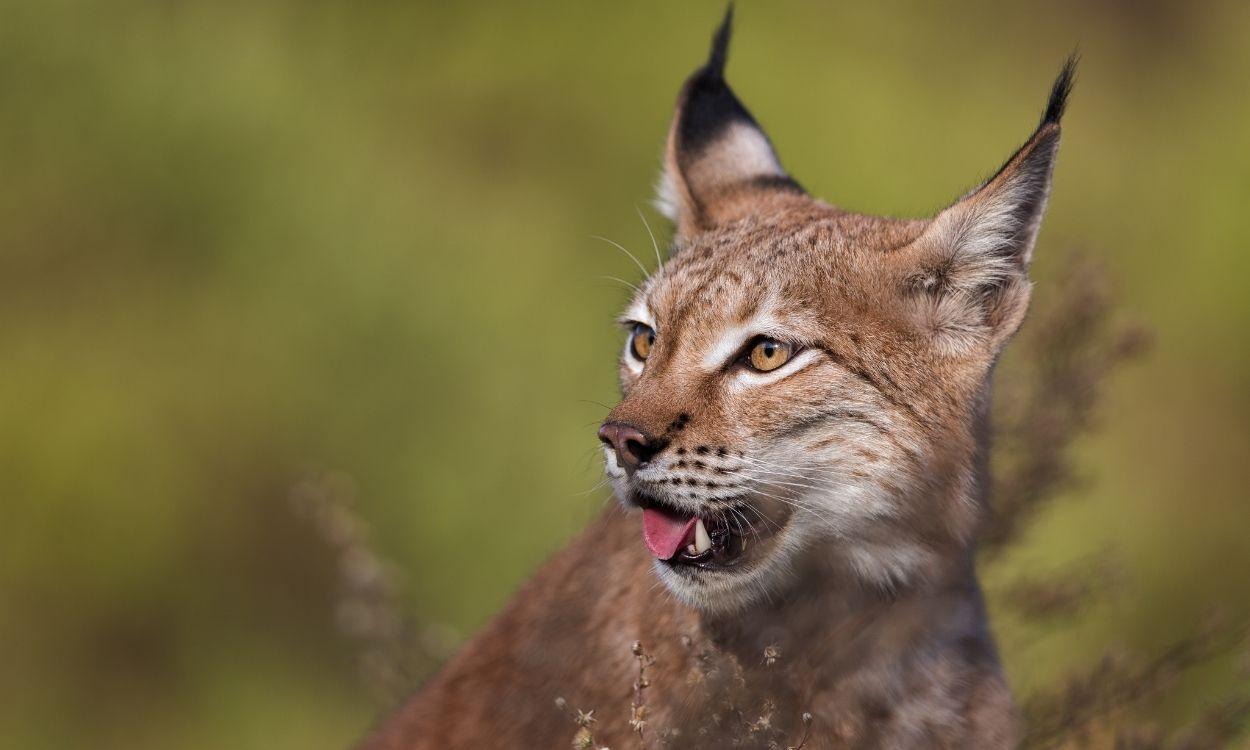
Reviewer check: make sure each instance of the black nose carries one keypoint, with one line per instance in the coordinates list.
(633, 448)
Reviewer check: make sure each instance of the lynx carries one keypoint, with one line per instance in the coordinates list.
(799, 459)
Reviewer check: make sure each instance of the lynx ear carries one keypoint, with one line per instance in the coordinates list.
(718, 163)
(969, 269)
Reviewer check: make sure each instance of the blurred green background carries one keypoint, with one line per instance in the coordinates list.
(244, 243)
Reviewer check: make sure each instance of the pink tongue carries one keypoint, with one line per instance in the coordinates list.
(664, 533)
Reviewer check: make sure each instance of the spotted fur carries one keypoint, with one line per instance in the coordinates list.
(863, 458)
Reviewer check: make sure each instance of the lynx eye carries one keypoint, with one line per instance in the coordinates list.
(641, 340)
(767, 355)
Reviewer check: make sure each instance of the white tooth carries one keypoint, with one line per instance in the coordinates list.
(702, 542)
(690, 550)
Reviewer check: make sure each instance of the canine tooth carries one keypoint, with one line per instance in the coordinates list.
(702, 542)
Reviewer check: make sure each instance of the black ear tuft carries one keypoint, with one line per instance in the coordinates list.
(715, 67)
(709, 105)
(717, 158)
(1059, 92)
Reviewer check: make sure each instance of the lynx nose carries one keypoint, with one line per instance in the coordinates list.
(632, 447)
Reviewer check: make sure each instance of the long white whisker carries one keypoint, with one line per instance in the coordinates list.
(782, 483)
(769, 475)
(792, 502)
(621, 247)
(766, 522)
(761, 516)
(600, 404)
(774, 468)
(799, 472)
(739, 519)
(659, 264)
(598, 484)
(766, 467)
(621, 281)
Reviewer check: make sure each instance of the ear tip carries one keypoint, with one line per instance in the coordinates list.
(706, 104)
(720, 44)
(1059, 92)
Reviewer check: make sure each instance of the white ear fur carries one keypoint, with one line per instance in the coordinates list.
(740, 153)
(990, 239)
(667, 200)
(969, 282)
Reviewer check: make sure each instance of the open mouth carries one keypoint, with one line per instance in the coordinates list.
(715, 540)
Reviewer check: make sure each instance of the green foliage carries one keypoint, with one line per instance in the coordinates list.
(242, 244)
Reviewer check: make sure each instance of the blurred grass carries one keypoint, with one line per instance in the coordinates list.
(243, 241)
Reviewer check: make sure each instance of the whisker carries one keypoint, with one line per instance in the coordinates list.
(777, 472)
(760, 514)
(798, 472)
(620, 281)
(789, 501)
(621, 247)
(659, 264)
(598, 484)
(793, 472)
(751, 526)
(738, 520)
(806, 484)
(764, 479)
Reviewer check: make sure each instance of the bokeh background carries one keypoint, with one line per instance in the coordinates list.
(253, 247)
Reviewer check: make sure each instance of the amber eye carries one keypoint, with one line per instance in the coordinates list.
(640, 341)
(768, 355)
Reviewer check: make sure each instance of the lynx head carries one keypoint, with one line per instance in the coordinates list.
(803, 386)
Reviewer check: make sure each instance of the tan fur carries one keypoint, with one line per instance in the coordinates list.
(853, 663)
(859, 469)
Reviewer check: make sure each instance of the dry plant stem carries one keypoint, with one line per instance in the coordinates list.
(1115, 683)
(1071, 346)
(368, 609)
(807, 733)
(1217, 727)
(1060, 595)
(638, 709)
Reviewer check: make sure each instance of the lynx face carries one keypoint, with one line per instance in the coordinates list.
(802, 385)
